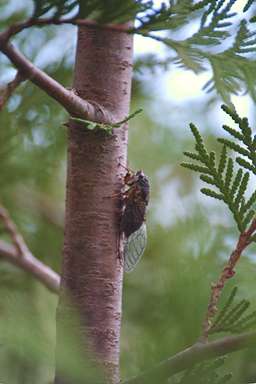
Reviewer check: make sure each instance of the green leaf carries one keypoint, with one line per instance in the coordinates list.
(245, 164)
(242, 188)
(192, 155)
(211, 193)
(195, 167)
(235, 147)
(223, 160)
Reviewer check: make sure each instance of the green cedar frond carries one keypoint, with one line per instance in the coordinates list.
(234, 317)
(195, 167)
(59, 8)
(235, 147)
(248, 5)
(205, 373)
(245, 323)
(225, 308)
(223, 160)
(232, 132)
(244, 137)
(229, 174)
(248, 218)
(236, 182)
(215, 195)
(212, 33)
(191, 155)
(245, 164)
(244, 40)
(251, 201)
(231, 71)
(230, 184)
(242, 188)
(208, 180)
(236, 313)
(200, 147)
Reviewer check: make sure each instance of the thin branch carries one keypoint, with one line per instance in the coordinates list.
(33, 22)
(18, 27)
(11, 229)
(30, 264)
(7, 91)
(195, 354)
(228, 271)
(74, 104)
(19, 255)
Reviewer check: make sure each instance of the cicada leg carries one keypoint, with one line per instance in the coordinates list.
(127, 169)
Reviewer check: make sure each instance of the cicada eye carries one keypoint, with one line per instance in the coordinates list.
(134, 248)
(130, 178)
(140, 174)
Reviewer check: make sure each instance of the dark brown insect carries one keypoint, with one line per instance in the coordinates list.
(136, 199)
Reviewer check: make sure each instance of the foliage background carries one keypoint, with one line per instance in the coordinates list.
(189, 236)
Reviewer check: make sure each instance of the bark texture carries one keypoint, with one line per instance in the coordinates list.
(92, 269)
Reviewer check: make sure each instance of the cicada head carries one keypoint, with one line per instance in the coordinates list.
(134, 247)
(129, 178)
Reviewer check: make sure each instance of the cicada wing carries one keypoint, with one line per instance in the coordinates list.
(134, 248)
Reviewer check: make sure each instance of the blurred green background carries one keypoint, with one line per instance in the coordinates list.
(189, 236)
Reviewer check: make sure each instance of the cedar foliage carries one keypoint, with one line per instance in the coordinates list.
(232, 60)
(234, 316)
(206, 373)
(230, 184)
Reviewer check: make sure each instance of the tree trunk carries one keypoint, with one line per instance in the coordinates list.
(92, 269)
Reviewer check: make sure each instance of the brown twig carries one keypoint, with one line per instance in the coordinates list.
(7, 91)
(33, 22)
(30, 264)
(19, 255)
(228, 271)
(11, 229)
(74, 104)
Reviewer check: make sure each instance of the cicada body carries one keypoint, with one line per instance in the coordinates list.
(135, 199)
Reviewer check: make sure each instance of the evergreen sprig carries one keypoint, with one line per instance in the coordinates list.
(245, 142)
(107, 128)
(234, 316)
(226, 183)
(248, 5)
(206, 373)
(57, 8)
(231, 70)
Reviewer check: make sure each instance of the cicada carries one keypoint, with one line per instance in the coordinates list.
(135, 201)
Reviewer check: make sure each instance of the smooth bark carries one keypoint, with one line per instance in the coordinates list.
(92, 269)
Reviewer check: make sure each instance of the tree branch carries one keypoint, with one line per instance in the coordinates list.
(11, 229)
(195, 354)
(7, 91)
(33, 22)
(19, 255)
(30, 264)
(74, 104)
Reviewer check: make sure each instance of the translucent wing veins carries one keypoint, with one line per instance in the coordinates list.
(134, 247)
